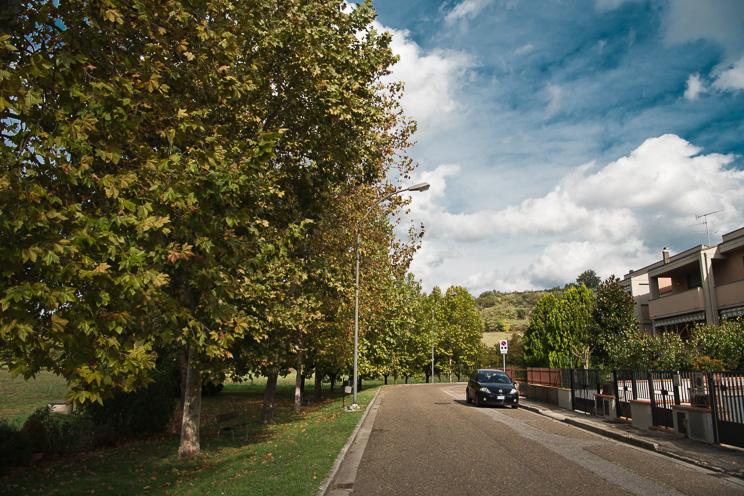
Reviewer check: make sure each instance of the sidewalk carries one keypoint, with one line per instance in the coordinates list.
(727, 460)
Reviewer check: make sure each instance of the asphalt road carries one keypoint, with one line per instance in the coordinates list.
(427, 441)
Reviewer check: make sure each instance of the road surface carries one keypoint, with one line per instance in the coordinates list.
(427, 441)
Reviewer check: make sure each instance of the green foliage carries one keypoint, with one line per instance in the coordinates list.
(136, 414)
(613, 316)
(536, 346)
(723, 344)
(588, 278)
(709, 347)
(35, 434)
(560, 330)
(65, 433)
(15, 448)
(458, 332)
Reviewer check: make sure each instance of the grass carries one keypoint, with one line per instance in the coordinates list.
(20, 397)
(290, 457)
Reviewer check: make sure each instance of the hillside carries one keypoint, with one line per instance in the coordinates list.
(507, 312)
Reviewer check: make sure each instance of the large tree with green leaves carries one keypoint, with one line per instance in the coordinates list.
(613, 316)
(560, 330)
(154, 155)
(458, 331)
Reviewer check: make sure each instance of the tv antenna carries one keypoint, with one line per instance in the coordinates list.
(705, 222)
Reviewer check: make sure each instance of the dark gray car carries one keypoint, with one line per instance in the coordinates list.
(491, 387)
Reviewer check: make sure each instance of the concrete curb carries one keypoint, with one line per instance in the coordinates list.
(628, 439)
(617, 436)
(327, 485)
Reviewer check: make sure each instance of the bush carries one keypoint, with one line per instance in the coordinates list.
(135, 414)
(35, 433)
(64, 433)
(15, 448)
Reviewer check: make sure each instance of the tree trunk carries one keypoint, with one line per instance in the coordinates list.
(318, 385)
(184, 367)
(298, 384)
(395, 379)
(191, 409)
(267, 413)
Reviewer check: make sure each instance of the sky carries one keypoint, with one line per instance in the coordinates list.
(565, 135)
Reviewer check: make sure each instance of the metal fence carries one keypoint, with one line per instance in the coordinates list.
(721, 392)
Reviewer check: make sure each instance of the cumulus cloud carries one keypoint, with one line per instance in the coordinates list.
(432, 80)
(610, 219)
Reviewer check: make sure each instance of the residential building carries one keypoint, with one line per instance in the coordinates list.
(702, 284)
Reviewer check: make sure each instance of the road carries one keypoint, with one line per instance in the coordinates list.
(427, 441)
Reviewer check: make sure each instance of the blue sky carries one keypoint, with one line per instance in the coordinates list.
(560, 136)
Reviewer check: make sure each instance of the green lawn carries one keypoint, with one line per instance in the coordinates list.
(293, 456)
(19, 398)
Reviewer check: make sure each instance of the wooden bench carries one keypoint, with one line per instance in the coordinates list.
(228, 422)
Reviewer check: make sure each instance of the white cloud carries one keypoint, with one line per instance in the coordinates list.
(731, 78)
(468, 9)
(716, 20)
(695, 87)
(610, 219)
(432, 80)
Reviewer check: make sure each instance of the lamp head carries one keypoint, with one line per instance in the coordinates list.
(419, 187)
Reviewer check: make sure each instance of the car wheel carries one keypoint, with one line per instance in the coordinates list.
(467, 398)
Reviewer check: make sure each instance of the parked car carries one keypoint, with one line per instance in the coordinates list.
(491, 387)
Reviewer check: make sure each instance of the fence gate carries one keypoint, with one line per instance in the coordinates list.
(663, 393)
(628, 383)
(585, 383)
(727, 393)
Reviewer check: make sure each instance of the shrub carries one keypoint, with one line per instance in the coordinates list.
(15, 448)
(35, 433)
(135, 414)
(64, 433)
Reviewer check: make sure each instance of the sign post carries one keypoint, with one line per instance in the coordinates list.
(504, 346)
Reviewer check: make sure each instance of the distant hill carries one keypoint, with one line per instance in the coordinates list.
(506, 312)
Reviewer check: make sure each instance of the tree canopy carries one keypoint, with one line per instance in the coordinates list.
(165, 168)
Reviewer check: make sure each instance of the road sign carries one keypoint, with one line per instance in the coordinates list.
(503, 346)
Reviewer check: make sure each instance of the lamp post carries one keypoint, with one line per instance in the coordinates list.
(432, 333)
(415, 187)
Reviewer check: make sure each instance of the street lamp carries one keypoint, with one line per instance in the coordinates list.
(415, 187)
(432, 333)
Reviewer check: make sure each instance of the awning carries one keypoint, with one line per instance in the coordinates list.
(730, 313)
(680, 319)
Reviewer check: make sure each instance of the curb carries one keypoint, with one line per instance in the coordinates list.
(617, 436)
(327, 484)
(634, 441)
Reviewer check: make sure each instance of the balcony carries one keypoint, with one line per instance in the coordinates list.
(689, 301)
(730, 294)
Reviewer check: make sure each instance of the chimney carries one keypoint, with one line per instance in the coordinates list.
(665, 254)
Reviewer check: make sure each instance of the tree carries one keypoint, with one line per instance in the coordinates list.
(570, 325)
(613, 316)
(559, 332)
(589, 278)
(458, 331)
(157, 159)
(536, 346)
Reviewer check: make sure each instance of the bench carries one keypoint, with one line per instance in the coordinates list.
(228, 422)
